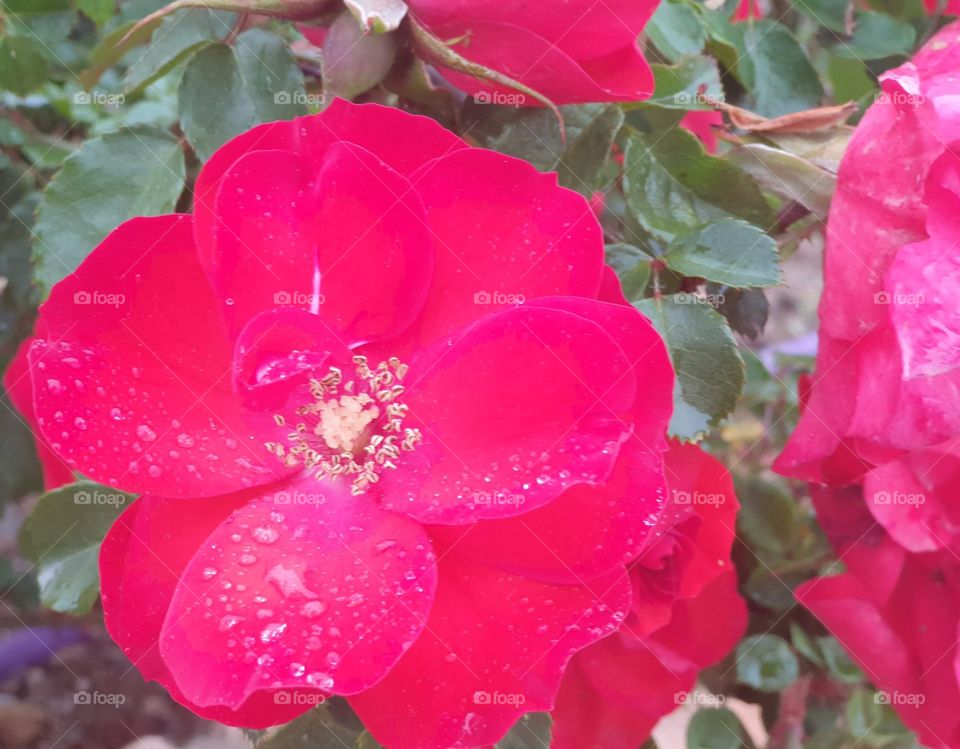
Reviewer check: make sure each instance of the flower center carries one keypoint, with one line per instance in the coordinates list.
(351, 428)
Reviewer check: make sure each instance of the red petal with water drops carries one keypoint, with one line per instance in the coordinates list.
(19, 386)
(494, 648)
(523, 405)
(142, 559)
(326, 591)
(503, 233)
(585, 532)
(403, 141)
(127, 401)
(347, 240)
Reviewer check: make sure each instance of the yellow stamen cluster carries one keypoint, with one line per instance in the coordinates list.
(352, 429)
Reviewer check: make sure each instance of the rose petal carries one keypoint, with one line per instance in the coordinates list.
(133, 403)
(317, 588)
(612, 523)
(508, 237)
(346, 240)
(141, 561)
(371, 126)
(523, 405)
(494, 648)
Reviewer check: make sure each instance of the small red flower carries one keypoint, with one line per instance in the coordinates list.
(686, 615)
(390, 443)
(896, 612)
(571, 52)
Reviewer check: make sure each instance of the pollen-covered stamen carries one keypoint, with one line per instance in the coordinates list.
(352, 428)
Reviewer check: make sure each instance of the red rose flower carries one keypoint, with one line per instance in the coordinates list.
(882, 412)
(897, 613)
(366, 469)
(888, 370)
(686, 615)
(572, 52)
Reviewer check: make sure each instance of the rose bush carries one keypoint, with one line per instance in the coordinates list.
(686, 615)
(882, 412)
(365, 469)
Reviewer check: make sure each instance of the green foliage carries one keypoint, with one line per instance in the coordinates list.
(227, 89)
(62, 537)
(136, 172)
(766, 662)
(704, 354)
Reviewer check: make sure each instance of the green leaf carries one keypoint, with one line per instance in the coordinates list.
(872, 719)
(693, 83)
(766, 662)
(838, 661)
(746, 310)
(23, 66)
(785, 174)
(829, 13)
(728, 251)
(62, 537)
(769, 518)
(583, 162)
(377, 16)
(21, 7)
(709, 369)
(673, 187)
(355, 61)
(321, 728)
(632, 266)
(776, 70)
(532, 731)
(366, 741)
(805, 645)
(226, 90)
(878, 35)
(850, 79)
(98, 11)
(715, 728)
(675, 30)
(109, 51)
(179, 35)
(133, 172)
